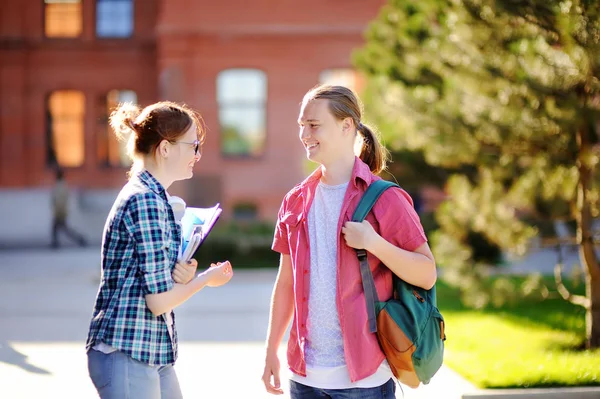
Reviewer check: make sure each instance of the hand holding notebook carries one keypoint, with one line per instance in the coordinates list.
(196, 223)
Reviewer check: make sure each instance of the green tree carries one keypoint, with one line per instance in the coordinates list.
(509, 91)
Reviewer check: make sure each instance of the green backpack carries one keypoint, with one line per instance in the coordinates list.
(409, 326)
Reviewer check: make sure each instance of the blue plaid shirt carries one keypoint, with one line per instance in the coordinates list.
(139, 251)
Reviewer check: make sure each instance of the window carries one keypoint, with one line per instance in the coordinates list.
(245, 211)
(111, 151)
(62, 18)
(66, 111)
(242, 97)
(343, 77)
(114, 18)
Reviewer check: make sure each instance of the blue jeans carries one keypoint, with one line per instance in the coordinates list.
(118, 376)
(385, 391)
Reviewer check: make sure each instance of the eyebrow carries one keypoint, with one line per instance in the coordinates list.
(308, 121)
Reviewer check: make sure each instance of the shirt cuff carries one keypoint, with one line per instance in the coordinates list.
(281, 247)
(414, 243)
(157, 282)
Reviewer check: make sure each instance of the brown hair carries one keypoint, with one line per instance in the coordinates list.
(343, 103)
(160, 121)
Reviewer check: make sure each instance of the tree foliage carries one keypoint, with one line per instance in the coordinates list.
(507, 93)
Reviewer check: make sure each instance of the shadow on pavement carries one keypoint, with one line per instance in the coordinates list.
(16, 358)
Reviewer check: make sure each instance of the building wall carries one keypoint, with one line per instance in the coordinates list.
(32, 66)
(176, 53)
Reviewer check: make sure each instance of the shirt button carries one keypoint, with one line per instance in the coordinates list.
(304, 299)
(306, 272)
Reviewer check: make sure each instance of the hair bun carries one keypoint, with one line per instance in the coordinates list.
(130, 124)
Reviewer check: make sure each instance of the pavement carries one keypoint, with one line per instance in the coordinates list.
(46, 300)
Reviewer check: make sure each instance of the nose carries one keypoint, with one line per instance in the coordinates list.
(303, 133)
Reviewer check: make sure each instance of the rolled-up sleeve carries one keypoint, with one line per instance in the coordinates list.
(401, 224)
(146, 220)
(280, 239)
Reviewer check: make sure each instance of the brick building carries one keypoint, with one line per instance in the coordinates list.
(244, 65)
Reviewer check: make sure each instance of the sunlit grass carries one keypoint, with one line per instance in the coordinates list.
(530, 344)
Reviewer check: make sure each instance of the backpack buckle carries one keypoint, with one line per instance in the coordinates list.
(361, 253)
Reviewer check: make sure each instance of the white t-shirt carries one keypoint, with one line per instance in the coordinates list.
(325, 362)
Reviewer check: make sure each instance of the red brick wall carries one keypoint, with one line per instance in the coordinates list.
(176, 53)
(31, 66)
(291, 42)
(225, 15)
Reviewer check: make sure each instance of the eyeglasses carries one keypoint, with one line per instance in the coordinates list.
(195, 143)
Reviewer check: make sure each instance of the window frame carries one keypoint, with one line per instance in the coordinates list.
(261, 103)
(358, 79)
(44, 22)
(112, 37)
(52, 158)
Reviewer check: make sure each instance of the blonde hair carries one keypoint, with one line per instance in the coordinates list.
(343, 103)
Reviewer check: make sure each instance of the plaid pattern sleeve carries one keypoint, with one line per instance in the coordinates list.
(139, 250)
(146, 220)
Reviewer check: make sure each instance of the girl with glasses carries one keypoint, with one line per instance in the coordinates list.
(132, 340)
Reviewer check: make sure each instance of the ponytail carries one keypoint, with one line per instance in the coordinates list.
(372, 152)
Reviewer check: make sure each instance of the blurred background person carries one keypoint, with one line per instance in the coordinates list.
(60, 212)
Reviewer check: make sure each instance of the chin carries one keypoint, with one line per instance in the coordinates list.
(186, 176)
(313, 158)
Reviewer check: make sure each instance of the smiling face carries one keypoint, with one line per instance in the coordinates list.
(184, 157)
(325, 138)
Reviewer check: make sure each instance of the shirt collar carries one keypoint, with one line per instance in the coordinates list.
(149, 181)
(360, 173)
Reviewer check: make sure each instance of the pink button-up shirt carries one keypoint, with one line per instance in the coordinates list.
(393, 217)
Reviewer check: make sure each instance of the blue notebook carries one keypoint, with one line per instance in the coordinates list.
(196, 223)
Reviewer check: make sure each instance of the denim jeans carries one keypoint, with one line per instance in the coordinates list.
(118, 376)
(385, 391)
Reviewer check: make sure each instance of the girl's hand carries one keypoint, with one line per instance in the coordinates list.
(359, 235)
(185, 272)
(218, 274)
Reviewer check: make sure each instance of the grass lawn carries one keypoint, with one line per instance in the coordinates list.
(528, 344)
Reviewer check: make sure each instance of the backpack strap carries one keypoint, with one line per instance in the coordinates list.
(369, 198)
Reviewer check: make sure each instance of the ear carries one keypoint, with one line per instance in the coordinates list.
(163, 149)
(347, 125)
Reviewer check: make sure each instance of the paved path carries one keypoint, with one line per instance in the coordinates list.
(46, 299)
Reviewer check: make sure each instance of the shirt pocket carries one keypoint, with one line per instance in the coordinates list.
(292, 222)
(291, 219)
